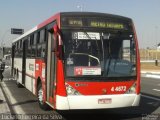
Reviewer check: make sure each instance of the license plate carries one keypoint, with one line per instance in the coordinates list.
(105, 101)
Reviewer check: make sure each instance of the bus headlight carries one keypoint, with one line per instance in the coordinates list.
(71, 91)
(132, 89)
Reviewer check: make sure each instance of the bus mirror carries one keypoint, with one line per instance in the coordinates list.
(55, 40)
(106, 36)
(55, 29)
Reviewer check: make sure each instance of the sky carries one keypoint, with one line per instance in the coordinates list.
(26, 14)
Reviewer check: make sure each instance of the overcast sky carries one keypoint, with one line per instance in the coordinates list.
(28, 13)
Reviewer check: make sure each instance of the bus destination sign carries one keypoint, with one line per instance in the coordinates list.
(88, 22)
(75, 22)
(106, 25)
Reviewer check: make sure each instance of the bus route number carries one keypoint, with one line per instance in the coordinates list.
(118, 88)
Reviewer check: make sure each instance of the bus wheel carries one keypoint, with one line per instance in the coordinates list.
(40, 93)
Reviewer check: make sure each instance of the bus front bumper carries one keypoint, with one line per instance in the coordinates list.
(97, 101)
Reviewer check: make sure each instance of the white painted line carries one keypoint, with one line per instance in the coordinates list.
(153, 98)
(12, 100)
(150, 72)
(153, 76)
(156, 90)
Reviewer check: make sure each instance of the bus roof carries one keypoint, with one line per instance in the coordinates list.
(56, 16)
(92, 14)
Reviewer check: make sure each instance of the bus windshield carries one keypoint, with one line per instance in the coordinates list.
(99, 53)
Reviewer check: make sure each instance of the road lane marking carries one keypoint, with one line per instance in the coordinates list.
(156, 90)
(153, 98)
(153, 76)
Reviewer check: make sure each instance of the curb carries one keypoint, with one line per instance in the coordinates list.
(149, 74)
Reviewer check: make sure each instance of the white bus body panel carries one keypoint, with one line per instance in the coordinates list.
(62, 103)
(30, 74)
(91, 102)
(18, 63)
(18, 66)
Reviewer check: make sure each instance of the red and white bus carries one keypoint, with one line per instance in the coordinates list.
(80, 60)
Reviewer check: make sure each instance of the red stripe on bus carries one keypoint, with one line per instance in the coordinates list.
(102, 88)
(138, 60)
(51, 19)
(60, 79)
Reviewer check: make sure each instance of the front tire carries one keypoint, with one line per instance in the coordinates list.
(40, 93)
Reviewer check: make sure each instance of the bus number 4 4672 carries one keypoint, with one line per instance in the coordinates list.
(118, 88)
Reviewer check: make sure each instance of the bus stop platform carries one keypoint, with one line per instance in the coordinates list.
(4, 107)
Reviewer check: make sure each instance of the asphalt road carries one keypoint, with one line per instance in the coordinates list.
(150, 86)
(21, 101)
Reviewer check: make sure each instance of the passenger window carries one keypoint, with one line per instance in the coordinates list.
(32, 39)
(42, 36)
(39, 49)
(35, 39)
(38, 37)
(33, 53)
(20, 43)
(43, 50)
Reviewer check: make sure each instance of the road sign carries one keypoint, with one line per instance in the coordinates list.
(17, 31)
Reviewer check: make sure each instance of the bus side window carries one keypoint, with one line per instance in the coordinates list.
(33, 51)
(39, 49)
(38, 38)
(42, 36)
(41, 44)
(17, 49)
(29, 49)
(43, 50)
(35, 39)
(33, 47)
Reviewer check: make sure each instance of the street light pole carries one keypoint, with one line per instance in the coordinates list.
(156, 61)
(80, 6)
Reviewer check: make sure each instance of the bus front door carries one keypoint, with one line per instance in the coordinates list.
(24, 61)
(51, 66)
